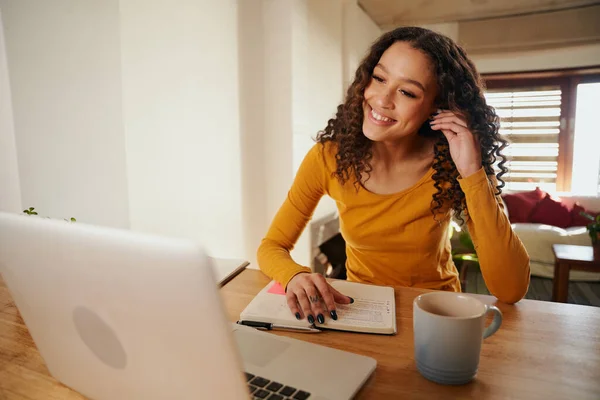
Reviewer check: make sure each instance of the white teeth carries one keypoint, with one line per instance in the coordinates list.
(380, 117)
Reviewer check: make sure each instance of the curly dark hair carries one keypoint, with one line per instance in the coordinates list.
(460, 90)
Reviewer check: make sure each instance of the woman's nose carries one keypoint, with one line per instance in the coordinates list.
(384, 100)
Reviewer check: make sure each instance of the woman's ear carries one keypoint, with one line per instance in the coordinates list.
(435, 110)
(433, 113)
(425, 129)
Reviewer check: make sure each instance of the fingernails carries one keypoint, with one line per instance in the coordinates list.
(311, 319)
(333, 315)
(321, 318)
(351, 300)
(298, 316)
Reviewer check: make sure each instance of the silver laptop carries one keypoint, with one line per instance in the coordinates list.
(123, 315)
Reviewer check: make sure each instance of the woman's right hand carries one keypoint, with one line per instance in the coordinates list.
(304, 293)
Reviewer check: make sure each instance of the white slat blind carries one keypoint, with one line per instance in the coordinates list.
(530, 121)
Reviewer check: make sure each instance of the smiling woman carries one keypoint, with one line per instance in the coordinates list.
(413, 143)
(399, 99)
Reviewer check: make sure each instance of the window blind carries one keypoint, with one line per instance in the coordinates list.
(530, 121)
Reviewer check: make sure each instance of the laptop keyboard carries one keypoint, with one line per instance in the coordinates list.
(262, 388)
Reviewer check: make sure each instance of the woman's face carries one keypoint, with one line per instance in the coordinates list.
(401, 95)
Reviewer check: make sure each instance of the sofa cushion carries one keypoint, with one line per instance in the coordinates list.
(587, 202)
(521, 204)
(551, 212)
(579, 220)
(538, 240)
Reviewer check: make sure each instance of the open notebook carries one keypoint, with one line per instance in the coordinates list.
(373, 310)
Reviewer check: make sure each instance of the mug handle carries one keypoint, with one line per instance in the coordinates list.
(497, 321)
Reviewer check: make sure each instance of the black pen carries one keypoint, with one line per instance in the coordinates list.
(266, 326)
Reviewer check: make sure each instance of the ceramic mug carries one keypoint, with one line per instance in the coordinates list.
(449, 329)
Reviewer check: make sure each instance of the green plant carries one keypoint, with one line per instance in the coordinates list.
(593, 227)
(466, 251)
(470, 255)
(463, 254)
(31, 211)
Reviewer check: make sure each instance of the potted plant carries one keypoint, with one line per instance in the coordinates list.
(593, 229)
(32, 211)
(463, 254)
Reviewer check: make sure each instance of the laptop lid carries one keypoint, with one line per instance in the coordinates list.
(120, 315)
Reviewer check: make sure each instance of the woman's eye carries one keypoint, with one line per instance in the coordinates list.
(377, 78)
(408, 94)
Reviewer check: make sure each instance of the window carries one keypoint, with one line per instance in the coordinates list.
(530, 120)
(547, 119)
(586, 148)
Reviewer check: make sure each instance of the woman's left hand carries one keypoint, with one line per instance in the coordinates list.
(464, 146)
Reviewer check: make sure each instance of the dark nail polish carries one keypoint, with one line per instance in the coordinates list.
(333, 315)
(351, 300)
(311, 319)
(298, 316)
(321, 318)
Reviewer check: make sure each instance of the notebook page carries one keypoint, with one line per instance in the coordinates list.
(374, 308)
(270, 305)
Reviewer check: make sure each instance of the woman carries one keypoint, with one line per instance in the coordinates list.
(398, 169)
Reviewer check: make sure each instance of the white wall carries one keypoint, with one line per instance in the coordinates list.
(184, 119)
(566, 57)
(290, 84)
(252, 100)
(64, 68)
(119, 106)
(317, 88)
(181, 118)
(291, 81)
(532, 60)
(278, 106)
(10, 193)
(317, 71)
(325, 82)
(359, 32)
(449, 29)
(265, 35)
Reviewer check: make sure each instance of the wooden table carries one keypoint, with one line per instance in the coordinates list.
(568, 257)
(543, 350)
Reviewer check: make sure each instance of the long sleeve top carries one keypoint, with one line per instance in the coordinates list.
(393, 239)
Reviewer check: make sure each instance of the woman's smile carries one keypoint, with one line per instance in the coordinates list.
(379, 118)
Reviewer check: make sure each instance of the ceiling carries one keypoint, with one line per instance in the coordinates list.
(389, 14)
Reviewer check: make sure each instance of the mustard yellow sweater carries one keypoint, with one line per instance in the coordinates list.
(394, 239)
